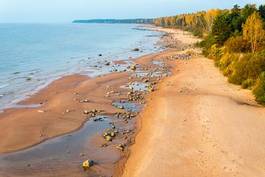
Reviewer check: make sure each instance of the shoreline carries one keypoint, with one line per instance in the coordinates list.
(61, 110)
(84, 64)
(38, 99)
(53, 110)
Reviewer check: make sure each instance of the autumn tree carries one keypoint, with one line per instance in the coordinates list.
(209, 17)
(253, 31)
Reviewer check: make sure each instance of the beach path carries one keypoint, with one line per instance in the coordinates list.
(197, 124)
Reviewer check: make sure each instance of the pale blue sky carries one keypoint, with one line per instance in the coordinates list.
(68, 10)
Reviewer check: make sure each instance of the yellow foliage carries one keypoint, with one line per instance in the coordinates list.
(253, 31)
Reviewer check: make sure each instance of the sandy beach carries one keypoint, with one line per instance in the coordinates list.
(66, 108)
(193, 123)
(197, 124)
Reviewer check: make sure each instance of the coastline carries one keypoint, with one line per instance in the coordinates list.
(61, 110)
(189, 124)
(85, 57)
(67, 84)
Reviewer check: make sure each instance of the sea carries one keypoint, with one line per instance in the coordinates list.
(34, 55)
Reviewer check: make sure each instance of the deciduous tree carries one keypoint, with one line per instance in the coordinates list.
(253, 31)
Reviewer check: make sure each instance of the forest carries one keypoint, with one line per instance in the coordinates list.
(233, 38)
(123, 21)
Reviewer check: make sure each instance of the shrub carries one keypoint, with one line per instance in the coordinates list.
(240, 70)
(237, 44)
(197, 32)
(215, 52)
(247, 84)
(227, 61)
(207, 43)
(248, 67)
(259, 89)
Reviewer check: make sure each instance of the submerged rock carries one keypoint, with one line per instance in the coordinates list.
(29, 79)
(136, 49)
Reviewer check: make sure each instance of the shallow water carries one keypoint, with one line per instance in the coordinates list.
(33, 55)
(137, 86)
(127, 106)
(56, 154)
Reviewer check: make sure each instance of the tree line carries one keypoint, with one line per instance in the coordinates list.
(233, 38)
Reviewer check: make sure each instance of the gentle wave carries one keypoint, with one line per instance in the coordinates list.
(34, 55)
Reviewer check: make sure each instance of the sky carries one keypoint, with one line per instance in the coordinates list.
(54, 11)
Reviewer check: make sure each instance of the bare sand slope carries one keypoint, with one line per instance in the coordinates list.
(198, 125)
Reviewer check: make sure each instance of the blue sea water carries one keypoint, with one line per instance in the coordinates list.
(33, 55)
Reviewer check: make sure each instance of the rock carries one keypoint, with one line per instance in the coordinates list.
(146, 80)
(150, 88)
(104, 145)
(84, 101)
(105, 134)
(136, 49)
(120, 106)
(107, 64)
(98, 119)
(112, 134)
(120, 147)
(86, 112)
(29, 79)
(87, 164)
(41, 111)
(100, 55)
(92, 114)
(133, 67)
(108, 138)
(67, 110)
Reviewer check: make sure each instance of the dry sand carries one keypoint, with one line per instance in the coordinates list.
(197, 124)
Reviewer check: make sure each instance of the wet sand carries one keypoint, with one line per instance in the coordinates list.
(55, 130)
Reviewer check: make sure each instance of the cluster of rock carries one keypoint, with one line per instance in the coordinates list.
(183, 56)
(125, 115)
(93, 112)
(135, 96)
(120, 137)
(109, 134)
